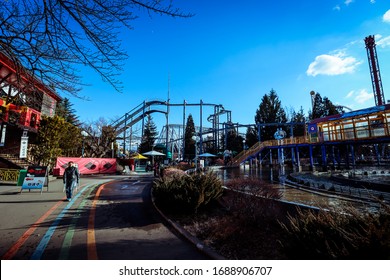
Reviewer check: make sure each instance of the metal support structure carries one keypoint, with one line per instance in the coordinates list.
(323, 155)
(353, 156)
(297, 159)
(200, 128)
(378, 154)
(311, 157)
(184, 129)
(124, 136)
(333, 158)
(374, 70)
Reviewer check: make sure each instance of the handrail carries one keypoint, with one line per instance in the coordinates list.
(9, 175)
(243, 155)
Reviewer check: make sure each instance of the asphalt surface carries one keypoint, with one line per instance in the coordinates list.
(109, 218)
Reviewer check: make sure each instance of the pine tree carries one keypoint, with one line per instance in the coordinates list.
(270, 111)
(65, 111)
(149, 137)
(323, 107)
(298, 117)
(189, 143)
(251, 136)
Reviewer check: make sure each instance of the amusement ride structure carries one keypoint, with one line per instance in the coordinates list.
(172, 135)
(336, 138)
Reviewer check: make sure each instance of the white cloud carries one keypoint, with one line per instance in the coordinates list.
(363, 95)
(337, 8)
(332, 64)
(372, 1)
(386, 17)
(350, 94)
(347, 2)
(383, 41)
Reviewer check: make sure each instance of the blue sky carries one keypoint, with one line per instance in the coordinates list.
(234, 52)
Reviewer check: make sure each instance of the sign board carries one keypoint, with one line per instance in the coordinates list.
(23, 147)
(280, 134)
(36, 178)
(88, 165)
(312, 128)
(3, 132)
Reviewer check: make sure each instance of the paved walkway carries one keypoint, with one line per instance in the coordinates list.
(124, 223)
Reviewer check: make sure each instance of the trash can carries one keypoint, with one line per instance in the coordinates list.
(22, 175)
(56, 172)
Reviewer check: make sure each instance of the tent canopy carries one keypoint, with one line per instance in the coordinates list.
(206, 155)
(138, 156)
(153, 153)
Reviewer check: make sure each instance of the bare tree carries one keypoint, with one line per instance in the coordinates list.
(99, 140)
(52, 39)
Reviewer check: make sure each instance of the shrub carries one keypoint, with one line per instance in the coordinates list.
(346, 234)
(186, 193)
(251, 199)
(171, 172)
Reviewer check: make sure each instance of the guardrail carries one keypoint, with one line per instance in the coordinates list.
(9, 175)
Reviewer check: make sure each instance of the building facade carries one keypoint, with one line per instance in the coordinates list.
(23, 101)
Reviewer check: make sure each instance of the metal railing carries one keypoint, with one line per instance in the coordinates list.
(243, 155)
(9, 175)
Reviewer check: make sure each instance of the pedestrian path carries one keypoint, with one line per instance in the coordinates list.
(110, 217)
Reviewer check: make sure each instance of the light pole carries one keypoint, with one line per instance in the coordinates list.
(312, 96)
(84, 134)
(196, 139)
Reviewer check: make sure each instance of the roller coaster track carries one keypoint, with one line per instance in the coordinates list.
(135, 115)
(145, 108)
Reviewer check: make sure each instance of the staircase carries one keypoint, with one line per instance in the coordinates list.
(11, 158)
(256, 148)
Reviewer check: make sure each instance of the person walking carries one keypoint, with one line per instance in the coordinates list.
(71, 179)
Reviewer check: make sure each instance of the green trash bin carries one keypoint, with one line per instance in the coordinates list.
(22, 175)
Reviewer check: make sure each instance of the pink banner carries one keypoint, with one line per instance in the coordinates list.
(88, 165)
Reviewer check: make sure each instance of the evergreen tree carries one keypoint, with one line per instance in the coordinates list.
(323, 107)
(64, 110)
(231, 140)
(189, 143)
(251, 136)
(270, 111)
(298, 117)
(149, 137)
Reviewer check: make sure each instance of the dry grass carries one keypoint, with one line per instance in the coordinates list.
(243, 227)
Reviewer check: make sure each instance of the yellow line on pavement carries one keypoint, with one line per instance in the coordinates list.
(91, 241)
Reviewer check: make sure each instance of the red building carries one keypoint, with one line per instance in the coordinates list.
(23, 101)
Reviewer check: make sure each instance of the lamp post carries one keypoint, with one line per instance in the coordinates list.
(196, 139)
(84, 134)
(312, 96)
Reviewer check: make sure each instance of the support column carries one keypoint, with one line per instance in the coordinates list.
(124, 136)
(184, 129)
(292, 156)
(353, 156)
(347, 157)
(333, 158)
(200, 129)
(311, 158)
(378, 155)
(298, 160)
(323, 156)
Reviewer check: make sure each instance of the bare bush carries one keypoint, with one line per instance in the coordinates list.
(338, 234)
(251, 199)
